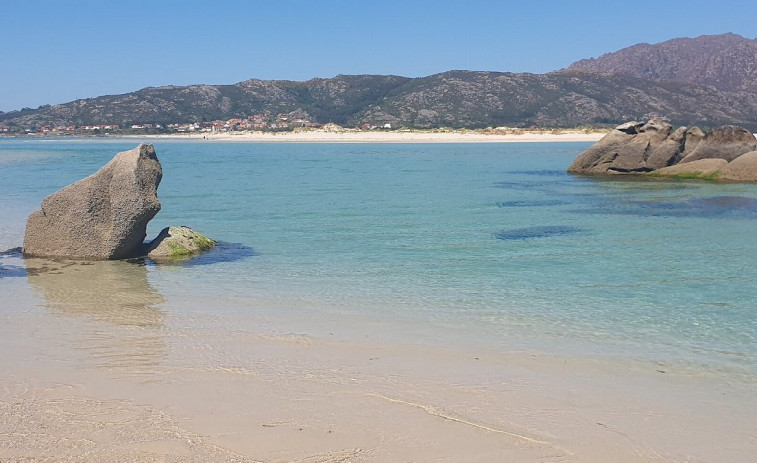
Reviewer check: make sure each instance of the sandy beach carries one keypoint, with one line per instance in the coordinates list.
(378, 232)
(360, 330)
(397, 136)
(83, 382)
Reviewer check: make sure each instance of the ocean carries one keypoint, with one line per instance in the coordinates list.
(481, 243)
(488, 247)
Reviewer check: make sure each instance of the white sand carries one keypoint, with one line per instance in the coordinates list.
(83, 382)
(322, 136)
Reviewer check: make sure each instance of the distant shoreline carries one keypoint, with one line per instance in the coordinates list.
(383, 137)
(358, 136)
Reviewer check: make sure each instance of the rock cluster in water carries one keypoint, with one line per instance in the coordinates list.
(103, 216)
(654, 148)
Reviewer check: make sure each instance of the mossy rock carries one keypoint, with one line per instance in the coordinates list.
(178, 243)
(710, 176)
(702, 169)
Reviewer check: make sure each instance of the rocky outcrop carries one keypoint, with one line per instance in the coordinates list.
(178, 243)
(727, 142)
(741, 169)
(103, 216)
(655, 148)
(632, 147)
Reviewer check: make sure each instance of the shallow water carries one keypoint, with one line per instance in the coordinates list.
(490, 243)
(385, 303)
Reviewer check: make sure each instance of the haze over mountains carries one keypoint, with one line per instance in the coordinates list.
(708, 81)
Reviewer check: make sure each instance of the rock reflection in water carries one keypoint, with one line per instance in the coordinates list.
(114, 292)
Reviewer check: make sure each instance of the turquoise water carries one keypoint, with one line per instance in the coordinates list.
(477, 244)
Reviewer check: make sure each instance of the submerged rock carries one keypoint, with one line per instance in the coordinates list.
(655, 148)
(177, 243)
(103, 216)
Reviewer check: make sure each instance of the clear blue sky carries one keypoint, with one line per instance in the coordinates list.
(59, 51)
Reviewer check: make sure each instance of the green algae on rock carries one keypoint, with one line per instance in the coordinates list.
(178, 243)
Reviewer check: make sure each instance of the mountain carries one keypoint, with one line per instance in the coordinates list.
(558, 99)
(708, 81)
(727, 62)
(327, 100)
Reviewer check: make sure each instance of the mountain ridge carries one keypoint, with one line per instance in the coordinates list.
(726, 61)
(604, 91)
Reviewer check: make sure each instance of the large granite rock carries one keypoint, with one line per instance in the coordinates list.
(103, 216)
(655, 148)
(741, 169)
(178, 243)
(627, 149)
(727, 142)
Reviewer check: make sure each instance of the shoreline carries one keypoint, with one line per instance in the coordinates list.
(347, 136)
(125, 361)
(382, 137)
(142, 387)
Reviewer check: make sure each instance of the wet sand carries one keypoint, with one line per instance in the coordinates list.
(100, 365)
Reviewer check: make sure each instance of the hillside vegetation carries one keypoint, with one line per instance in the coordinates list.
(708, 81)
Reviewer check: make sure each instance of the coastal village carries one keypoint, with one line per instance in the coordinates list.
(258, 122)
(261, 122)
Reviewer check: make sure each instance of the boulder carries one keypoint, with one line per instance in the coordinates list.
(628, 147)
(653, 147)
(741, 169)
(694, 136)
(727, 142)
(103, 216)
(178, 243)
(703, 168)
(668, 151)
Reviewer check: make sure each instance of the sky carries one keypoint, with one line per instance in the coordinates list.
(59, 51)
